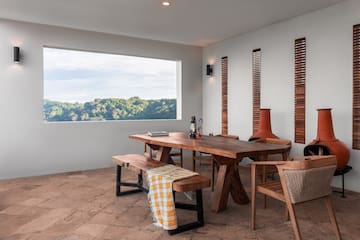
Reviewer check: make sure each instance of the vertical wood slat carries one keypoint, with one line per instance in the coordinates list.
(224, 95)
(256, 74)
(300, 81)
(356, 88)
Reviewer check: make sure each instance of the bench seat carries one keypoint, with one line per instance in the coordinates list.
(142, 163)
(137, 162)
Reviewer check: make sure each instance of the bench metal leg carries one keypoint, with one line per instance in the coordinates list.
(200, 214)
(119, 183)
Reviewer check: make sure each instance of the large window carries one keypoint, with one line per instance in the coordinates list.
(91, 86)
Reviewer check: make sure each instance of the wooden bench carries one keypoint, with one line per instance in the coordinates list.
(140, 164)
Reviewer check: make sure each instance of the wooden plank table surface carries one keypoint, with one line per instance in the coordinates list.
(227, 154)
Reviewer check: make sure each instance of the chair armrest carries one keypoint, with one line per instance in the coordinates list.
(263, 163)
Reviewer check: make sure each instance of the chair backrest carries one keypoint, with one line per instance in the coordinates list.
(275, 141)
(308, 178)
(275, 157)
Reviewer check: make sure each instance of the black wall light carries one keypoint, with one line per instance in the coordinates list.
(209, 70)
(16, 54)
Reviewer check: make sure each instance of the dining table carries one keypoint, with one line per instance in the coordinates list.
(227, 154)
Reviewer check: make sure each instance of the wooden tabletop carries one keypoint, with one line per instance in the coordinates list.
(225, 147)
(226, 152)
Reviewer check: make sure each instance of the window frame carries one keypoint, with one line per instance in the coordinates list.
(179, 69)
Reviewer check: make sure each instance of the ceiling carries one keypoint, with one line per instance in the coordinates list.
(192, 22)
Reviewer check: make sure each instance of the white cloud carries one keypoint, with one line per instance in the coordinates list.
(55, 59)
(122, 77)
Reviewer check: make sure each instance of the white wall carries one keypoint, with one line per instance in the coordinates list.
(28, 146)
(328, 84)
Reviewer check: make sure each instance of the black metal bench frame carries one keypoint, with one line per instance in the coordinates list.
(198, 207)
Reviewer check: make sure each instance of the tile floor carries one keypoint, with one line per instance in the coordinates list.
(82, 206)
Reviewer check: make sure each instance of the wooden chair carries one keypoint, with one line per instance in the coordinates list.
(209, 159)
(265, 171)
(173, 153)
(300, 181)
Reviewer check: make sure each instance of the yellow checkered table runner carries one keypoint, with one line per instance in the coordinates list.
(160, 194)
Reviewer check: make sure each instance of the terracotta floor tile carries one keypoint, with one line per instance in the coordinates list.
(59, 236)
(44, 221)
(137, 216)
(93, 230)
(10, 223)
(14, 210)
(103, 218)
(124, 233)
(32, 201)
(70, 223)
(17, 237)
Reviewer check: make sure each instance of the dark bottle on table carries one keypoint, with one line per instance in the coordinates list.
(192, 132)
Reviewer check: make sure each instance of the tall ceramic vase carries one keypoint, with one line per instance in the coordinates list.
(264, 130)
(326, 137)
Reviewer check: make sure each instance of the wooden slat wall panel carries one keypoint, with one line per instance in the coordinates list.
(356, 87)
(224, 94)
(256, 71)
(300, 80)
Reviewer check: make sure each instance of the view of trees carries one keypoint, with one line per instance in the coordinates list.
(110, 109)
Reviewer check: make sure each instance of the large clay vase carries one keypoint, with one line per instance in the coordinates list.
(326, 137)
(264, 130)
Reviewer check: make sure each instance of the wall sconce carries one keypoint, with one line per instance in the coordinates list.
(17, 54)
(209, 70)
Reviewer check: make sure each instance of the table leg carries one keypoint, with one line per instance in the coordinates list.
(163, 154)
(238, 192)
(285, 155)
(228, 181)
(222, 189)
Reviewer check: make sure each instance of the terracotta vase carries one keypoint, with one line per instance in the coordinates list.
(264, 130)
(326, 137)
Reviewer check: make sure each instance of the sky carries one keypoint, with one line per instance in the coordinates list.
(80, 76)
